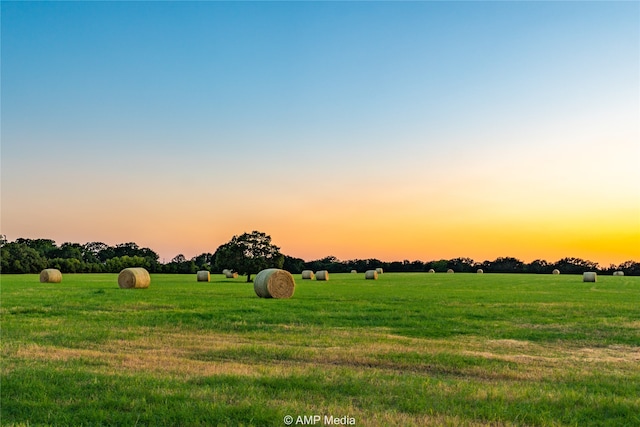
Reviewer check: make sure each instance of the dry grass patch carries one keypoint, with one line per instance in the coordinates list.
(611, 354)
(161, 362)
(190, 354)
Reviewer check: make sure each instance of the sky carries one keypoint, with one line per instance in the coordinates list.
(390, 130)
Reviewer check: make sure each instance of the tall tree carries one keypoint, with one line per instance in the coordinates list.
(203, 261)
(630, 267)
(293, 265)
(44, 246)
(575, 265)
(20, 258)
(461, 265)
(91, 252)
(539, 266)
(506, 265)
(248, 254)
(180, 258)
(68, 250)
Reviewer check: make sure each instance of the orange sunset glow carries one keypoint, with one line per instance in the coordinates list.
(372, 130)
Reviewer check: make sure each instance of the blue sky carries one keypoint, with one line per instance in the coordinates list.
(359, 117)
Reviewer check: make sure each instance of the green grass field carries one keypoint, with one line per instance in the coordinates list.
(407, 349)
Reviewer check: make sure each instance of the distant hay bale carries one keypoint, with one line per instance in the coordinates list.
(589, 276)
(50, 275)
(431, 270)
(480, 271)
(203, 276)
(307, 274)
(449, 271)
(322, 275)
(354, 271)
(555, 271)
(274, 283)
(230, 274)
(371, 275)
(134, 278)
(226, 271)
(379, 270)
(618, 273)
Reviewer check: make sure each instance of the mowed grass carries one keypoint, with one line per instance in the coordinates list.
(408, 349)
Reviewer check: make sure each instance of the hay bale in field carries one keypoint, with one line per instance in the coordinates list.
(379, 270)
(322, 275)
(203, 276)
(449, 271)
(230, 274)
(307, 274)
(50, 275)
(618, 273)
(589, 276)
(480, 271)
(431, 270)
(134, 278)
(226, 271)
(371, 275)
(555, 271)
(274, 283)
(354, 271)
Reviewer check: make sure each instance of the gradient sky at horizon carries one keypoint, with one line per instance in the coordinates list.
(395, 130)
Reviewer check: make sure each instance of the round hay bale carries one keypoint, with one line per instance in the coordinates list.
(226, 271)
(618, 273)
(354, 271)
(274, 283)
(307, 274)
(589, 276)
(203, 276)
(371, 275)
(379, 270)
(50, 275)
(480, 271)
(322, 275)
(449, 271)
(134, 278)
(231, 275)
(555, 271)
(431, 270)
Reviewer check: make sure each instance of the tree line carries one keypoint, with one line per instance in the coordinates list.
(464, 265)
(33, 255)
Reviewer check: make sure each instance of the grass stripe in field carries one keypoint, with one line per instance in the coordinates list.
(407, 349)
